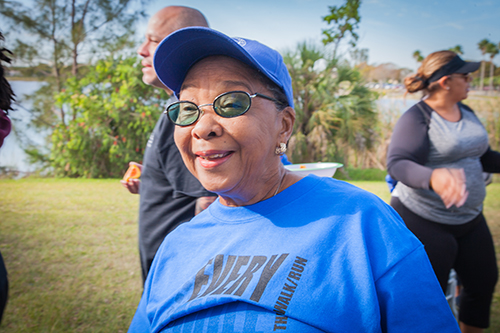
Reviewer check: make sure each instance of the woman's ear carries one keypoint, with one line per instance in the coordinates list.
(287, 122)
(443, 82)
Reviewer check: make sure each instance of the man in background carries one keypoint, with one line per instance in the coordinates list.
(169, 193)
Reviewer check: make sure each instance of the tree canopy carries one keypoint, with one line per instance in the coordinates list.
(113, 113)
(335, 111)
(457, 49)
(57, 32)
(344, 21)
(483, 46)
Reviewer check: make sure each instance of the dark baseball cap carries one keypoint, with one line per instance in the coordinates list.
(455, 65)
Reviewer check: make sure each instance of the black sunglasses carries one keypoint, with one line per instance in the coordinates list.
(466, 76)
(229, 104)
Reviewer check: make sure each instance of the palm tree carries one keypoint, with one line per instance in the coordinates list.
(457, 49)
(492, 50)
(417, 55)
(483, 44)
(335, 112)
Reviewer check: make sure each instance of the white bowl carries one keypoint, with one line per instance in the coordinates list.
(321, 169)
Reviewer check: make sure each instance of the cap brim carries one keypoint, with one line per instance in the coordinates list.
(469, 67)
(179, 51)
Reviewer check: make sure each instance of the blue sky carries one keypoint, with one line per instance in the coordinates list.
(390, 29)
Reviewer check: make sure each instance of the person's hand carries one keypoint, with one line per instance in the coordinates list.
(133, 184)
(450, 185)
(202, 203)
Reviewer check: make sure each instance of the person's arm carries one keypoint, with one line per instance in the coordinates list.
(408, 153)
(491, 161)
(409, 149)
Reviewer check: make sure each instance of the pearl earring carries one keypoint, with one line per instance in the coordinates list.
(281, 149)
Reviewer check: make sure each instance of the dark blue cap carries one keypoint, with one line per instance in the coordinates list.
(455, 65)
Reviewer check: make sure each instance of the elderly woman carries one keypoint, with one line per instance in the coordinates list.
(275, 251)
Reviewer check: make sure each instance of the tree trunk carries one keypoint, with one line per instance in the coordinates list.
(57, 71)
(57, 74)
(481, 81)
(74, 67)
(491, 76)
(74, 52)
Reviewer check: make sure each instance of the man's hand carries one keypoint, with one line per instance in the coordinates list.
(450, 185)
(202, 203)
(133, 184)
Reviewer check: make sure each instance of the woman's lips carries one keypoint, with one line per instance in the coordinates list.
(211, 159)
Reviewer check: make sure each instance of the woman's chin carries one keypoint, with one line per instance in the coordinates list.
(214, 184)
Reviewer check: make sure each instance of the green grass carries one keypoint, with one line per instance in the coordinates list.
(355, 174)
(70, 247)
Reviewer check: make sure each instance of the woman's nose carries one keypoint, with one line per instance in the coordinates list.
(208, 125)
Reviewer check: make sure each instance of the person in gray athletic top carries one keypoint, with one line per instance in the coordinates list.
(438, 152)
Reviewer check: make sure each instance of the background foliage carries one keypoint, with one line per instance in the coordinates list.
(111, 115)
(61, 40)
(335, 111)
(98, 123)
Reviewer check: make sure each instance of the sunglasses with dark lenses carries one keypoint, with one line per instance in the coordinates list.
(228, 105)
(466, 76)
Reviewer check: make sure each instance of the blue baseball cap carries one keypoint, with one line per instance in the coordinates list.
(179, 51)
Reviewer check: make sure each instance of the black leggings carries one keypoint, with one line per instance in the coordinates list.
(469, 249)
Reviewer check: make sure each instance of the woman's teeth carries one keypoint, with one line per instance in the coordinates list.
(213, 156)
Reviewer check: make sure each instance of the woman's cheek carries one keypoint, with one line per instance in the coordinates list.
(181, 138)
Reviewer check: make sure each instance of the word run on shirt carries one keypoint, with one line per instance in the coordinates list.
(287, 293)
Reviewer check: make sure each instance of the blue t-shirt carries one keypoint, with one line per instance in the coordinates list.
(168, 191)
(321, 256)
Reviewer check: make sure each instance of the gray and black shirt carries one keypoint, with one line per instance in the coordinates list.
(423, 141)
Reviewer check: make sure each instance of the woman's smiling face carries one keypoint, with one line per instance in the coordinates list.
(233, 157)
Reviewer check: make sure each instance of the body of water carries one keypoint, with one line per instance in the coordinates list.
(396, 104)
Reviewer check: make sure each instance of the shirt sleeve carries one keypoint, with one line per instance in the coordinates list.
(409, 149)
(140, 322)
(420, 307)
(491, 161)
